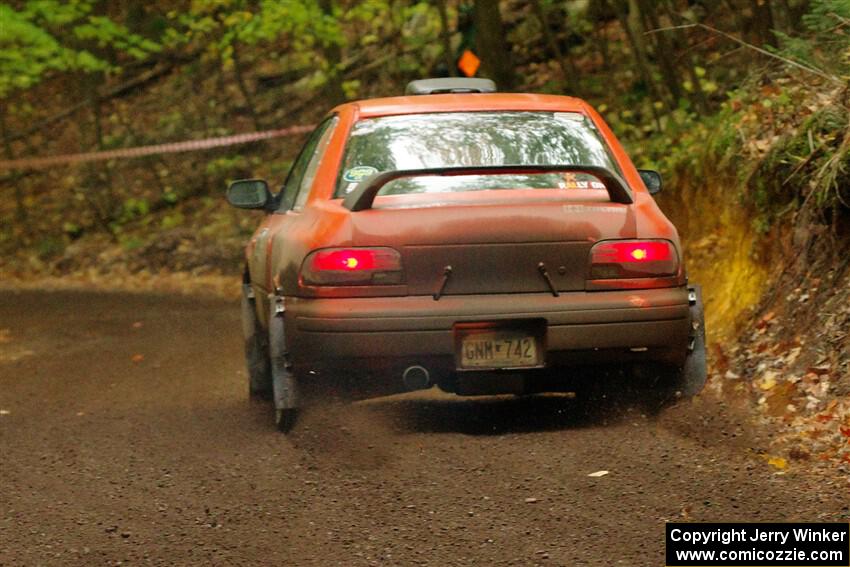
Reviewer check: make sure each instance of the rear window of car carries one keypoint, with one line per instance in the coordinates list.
(457, 139)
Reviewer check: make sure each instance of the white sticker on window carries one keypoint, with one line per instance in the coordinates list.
(359, 173)
(570, 116)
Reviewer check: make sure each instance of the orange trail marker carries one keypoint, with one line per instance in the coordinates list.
(469, 63)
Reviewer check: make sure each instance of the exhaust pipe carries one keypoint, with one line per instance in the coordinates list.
(416, 378)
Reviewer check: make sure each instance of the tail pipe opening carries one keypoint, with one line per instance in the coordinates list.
(416, 378)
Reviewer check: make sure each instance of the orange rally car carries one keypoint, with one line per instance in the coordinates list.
(478, 241)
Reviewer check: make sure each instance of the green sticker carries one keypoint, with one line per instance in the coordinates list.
(359, 173)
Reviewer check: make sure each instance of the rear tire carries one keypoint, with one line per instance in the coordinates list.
(284, 419)
(666, 384)
(256, 349)
(284, 381)
(655, 386)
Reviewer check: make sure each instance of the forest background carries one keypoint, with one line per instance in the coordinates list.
(742, 105)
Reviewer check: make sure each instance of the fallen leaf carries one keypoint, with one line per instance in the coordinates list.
(137, 358)
(768, 381)
(138, 325)
(597, 474)
(530, 500)
(792, 356)
(778, 462)
(799, 454)
(779, 398)
(4, 412)
(765, 320)
(818, 370)
(5, 335)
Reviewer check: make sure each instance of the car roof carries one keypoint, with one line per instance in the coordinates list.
(464, 102)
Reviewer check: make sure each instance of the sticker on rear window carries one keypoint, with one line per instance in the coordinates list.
(580, 181)
(359, 173)
(583, 185)
(570, 116)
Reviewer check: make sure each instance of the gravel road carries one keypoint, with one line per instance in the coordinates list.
(126, 438)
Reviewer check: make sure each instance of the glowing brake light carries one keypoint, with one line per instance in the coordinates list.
(612, 259)
(352, 266)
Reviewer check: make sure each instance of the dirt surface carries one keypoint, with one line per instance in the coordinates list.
(126, 437)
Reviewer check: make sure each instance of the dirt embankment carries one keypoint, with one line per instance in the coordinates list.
(778, 315)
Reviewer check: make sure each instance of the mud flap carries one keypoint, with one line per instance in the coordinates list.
(284, 385)
(694, 371)
(256, 348)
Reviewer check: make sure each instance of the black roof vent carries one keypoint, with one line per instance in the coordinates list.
(450, 85)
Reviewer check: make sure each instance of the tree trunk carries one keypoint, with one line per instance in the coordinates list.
(664, 53)
(492, 46)
(99, 193)
(243, 87)
(763, 21)
(568, 69)
(600, 36)
(680, 44)
(782, 16)
(735, 12)
(14, 178)
(634, 22)
(446, 38)
(640, 57)
(333, 56)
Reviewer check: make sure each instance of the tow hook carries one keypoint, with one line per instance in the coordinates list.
(278, 305)
(693, 298)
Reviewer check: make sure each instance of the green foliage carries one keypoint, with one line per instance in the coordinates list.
(824, 16)
(221, 25)
(28, 51)
(106, 33)
(170, 197)
(130, 242)
(133, 208)
(228, 167)
(827, 41)
(45, 36)
(49, 247)
(172, 220)
(242, 64)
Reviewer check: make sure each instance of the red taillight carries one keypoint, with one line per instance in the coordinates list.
(352, 266)
(613, 259)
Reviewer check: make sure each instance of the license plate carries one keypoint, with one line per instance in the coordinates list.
(498, 349)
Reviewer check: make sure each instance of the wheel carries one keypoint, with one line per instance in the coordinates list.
(284, 381)
(655, 386)
(256, 349)
(284, 419)
(666, 384)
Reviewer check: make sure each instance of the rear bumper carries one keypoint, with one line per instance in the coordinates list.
(581, 327)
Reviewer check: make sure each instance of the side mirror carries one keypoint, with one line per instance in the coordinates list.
(652, 180)
(249, 194)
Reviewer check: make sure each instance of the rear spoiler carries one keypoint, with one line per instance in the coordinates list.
(364, 194)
